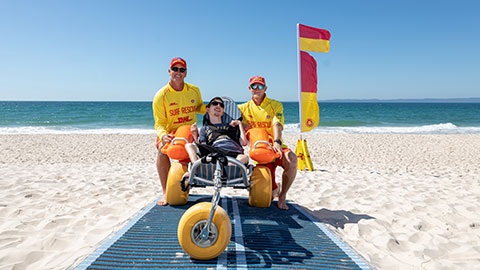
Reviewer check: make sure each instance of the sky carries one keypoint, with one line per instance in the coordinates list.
(117, 50)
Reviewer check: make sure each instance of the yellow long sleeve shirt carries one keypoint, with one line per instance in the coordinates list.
(172, 109)
(264, 115)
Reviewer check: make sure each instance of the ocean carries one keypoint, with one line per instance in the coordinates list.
(51, 117)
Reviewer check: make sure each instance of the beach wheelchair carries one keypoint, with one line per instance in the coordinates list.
(204, 230)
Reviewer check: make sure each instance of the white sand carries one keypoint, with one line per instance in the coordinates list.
(401, 201)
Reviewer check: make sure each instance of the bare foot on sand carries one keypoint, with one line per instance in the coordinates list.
(162, 201)
(282, 202)
(275, 193)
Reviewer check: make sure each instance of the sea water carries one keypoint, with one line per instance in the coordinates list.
(27, 117)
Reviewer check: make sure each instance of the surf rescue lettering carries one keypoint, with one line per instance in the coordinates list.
(183, 110)
(189, 109)
(174, 112)
(260, 124)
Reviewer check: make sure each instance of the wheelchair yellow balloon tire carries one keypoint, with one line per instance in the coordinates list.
(191, 225)
(260, 187)
(174, 194)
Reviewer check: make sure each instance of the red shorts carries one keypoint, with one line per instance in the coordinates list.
(273, 166)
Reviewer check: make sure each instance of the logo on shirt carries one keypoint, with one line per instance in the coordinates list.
(173, 104)
(192, 101)
(181, 120)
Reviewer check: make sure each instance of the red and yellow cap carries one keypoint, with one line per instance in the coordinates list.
(178, 60)
(257, 79)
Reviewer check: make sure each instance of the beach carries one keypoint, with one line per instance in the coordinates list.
(402, 201)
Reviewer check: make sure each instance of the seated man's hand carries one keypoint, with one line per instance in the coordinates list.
(235, 123)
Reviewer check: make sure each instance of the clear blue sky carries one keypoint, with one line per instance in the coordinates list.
(120, 50)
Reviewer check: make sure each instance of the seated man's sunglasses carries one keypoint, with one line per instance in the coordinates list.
(216, 103)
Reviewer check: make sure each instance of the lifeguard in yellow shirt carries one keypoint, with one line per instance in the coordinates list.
(174, 105)
(263, 112)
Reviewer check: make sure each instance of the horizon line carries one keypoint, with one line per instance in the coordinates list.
(471, 99)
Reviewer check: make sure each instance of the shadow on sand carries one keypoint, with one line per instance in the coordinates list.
(336, 218)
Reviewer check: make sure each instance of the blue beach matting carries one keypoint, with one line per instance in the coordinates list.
(261, 238)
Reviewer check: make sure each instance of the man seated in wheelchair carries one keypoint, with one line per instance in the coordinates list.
(222, 135)
(219, 130)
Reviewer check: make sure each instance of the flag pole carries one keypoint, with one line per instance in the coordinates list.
(301, 144)
(299, 81)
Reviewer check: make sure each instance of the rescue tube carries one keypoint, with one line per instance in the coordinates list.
(261, 149)
(176, 148)
(174, 195)
(260, 194)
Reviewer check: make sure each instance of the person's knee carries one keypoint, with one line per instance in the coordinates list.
(160, 155)
(293, 159)
(162, 159)
(290, 161)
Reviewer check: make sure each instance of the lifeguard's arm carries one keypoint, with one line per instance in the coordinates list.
(277, 131)
(201, 107)
(159, 117)
(244, 125)
(277, 123)
(277, 135)
(243, 137)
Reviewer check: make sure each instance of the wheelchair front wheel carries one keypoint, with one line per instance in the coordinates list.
(190, 228)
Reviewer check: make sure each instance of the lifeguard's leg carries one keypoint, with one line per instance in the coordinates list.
(289, 165)
(163, 165)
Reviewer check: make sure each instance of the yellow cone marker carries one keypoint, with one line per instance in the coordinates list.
(300, 156)
(308, 161)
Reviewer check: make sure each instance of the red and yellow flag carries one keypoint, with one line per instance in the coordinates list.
(308, 84)
(313, 39)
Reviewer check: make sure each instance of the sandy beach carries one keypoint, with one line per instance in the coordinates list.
(401, 201)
